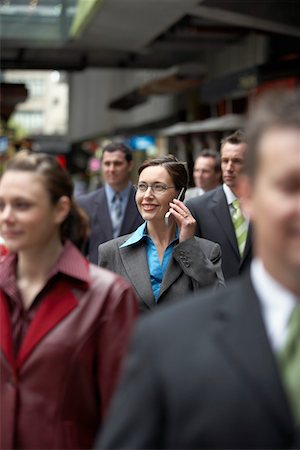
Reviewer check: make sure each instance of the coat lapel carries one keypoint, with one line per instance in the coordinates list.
(6, 343)
(53, 309)
(102, 217)
(131, 216)
(248, 244)
(221, 211)
(135, 262)
(173, 271)
(243, 339)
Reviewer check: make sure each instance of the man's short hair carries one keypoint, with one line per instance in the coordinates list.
(118, 146)
(274, 109)
(236, 138)
(210, 153)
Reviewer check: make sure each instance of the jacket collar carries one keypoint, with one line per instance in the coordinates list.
(55, 306)
(141, 233)
(247, 346)
(70, 263)
(137, 236)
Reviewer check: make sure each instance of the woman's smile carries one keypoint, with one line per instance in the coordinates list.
(149, 206)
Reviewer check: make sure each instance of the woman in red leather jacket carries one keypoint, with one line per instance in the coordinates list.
(65, 323)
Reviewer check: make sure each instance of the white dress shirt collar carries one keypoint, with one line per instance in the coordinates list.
(230, 196)
(276, 301)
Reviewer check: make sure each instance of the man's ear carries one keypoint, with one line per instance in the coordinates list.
(245, 196)
(63, 207)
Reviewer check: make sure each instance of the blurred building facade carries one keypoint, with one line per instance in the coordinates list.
(174, 76)
(46, 108)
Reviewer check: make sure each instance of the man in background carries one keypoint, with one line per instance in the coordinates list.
(218, 214)
(111, 209)
(206, 173)
(222, 370)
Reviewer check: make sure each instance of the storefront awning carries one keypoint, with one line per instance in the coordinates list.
(224, 123)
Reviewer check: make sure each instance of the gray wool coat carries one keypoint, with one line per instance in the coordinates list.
(194, 264)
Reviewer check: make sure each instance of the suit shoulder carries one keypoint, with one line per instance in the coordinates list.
(114, 243)
(88, 201)
(205, 198)
(103, 278)
(196, 202)
(90, 196)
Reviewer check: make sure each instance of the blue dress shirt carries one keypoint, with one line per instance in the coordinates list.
(156, 270)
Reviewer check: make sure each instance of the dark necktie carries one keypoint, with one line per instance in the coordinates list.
(116, 214)
(289, 362)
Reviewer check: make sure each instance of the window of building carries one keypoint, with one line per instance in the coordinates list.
(29, 120)
(36, 87)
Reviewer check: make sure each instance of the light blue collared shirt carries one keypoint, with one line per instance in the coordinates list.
(156, 270)
(124, 195)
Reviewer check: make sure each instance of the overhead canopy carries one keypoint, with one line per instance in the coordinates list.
(224, 123)
(173, 83)
(76, 34)
(53, 144)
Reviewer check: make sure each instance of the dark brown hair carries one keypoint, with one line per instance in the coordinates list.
(118, 146)
(175, 168)
(236, 138)
(280, 108)
(58, 183)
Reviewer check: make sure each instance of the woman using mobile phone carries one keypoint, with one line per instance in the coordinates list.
(162, 259)
(65, 323)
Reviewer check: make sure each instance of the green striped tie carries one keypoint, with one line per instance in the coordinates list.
(289, 363)
(240, 225)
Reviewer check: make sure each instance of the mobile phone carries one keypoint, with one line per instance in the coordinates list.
(168, 214)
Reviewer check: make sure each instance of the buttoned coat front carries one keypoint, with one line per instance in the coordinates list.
(194, 264)
(55, 392)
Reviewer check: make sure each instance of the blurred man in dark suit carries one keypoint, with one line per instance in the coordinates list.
(112, 209)
(222, 370)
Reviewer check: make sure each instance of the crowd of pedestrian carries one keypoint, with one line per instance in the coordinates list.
(133, 317)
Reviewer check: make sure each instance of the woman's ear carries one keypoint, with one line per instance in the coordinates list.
(63, 207)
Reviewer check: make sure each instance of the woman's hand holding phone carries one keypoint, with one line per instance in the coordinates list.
(169, 213)
(183, 218)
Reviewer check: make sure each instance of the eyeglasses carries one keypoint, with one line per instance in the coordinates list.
(157, 188)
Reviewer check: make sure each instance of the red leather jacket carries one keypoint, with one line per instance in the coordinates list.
(55, 392)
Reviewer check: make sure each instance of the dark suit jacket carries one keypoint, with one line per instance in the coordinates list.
(96, 206)
(202, 375)
(214, 223)
(194, 264)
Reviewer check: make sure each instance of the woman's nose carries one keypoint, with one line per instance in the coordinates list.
(6, 212)
(148, 192)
